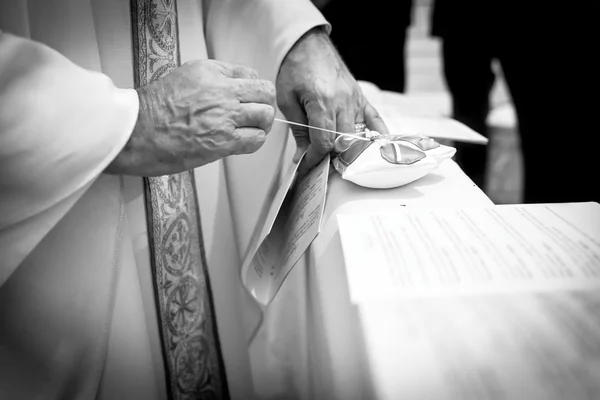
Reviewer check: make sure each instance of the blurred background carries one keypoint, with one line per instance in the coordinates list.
(425, 83)
(521, 73)
(449, 56)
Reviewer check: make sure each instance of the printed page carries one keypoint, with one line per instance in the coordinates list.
(297, 224)
(435, 127)
(485, 347)
(407, 115)
(499, 249)
(270, 211)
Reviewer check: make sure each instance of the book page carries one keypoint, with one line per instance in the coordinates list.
(499, 249)
(486, 347)
(271, 209)
(435, 127)
(405, 115)
(297, 224)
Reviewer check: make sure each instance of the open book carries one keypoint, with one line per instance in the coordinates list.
(500, 302)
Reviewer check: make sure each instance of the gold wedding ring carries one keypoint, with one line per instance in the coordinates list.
(360, 127)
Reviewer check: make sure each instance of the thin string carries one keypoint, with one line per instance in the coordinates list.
(323, 129)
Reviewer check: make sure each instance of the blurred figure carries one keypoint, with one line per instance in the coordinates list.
(371, 37)
(546, 54)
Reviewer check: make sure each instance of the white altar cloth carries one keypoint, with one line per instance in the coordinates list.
(313, 340)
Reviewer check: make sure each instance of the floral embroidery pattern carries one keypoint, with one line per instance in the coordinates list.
(190, 343)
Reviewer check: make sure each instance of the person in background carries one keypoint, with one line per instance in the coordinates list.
(546, 57)
(371, 38)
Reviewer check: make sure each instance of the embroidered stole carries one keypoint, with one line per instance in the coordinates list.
(190, 343)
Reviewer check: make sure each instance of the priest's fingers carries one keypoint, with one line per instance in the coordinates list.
(255, 115)
(346, 119)
(374, 121)
(248, 140)
(294, 113)
(321, 142)
(238, 71)
(255, 91)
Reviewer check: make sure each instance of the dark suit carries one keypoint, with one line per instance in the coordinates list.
(547, 56)
(371, 36)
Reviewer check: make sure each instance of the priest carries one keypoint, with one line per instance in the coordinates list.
(122, 217)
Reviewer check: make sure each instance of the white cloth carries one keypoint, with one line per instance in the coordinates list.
(77, 314)
(312, 344)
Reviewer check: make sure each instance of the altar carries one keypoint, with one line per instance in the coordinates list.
(312, 343)
(316, 342)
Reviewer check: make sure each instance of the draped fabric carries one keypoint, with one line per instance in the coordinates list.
(189, 338)
(56, 308)
(78, 306)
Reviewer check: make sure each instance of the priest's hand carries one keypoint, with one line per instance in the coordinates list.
(200, 112)
(314, 87)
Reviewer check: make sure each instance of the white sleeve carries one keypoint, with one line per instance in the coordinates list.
(258, 33)
(60, 127)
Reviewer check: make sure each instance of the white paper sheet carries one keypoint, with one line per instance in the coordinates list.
(500, 249)
(435, 127)
(487, 347)
(290, 227)
(404, 115)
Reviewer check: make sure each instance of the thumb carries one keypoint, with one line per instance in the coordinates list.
(294, 113)
(302, 143)
(374, 121)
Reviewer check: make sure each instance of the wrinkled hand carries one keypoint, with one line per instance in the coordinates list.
(200, 112)
(314, 87)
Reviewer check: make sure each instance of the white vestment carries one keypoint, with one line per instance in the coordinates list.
(76, 304)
